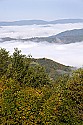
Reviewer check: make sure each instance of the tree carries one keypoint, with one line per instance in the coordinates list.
(36, 77)
(19, 66)
(4, 61)
(75, 92)
(71, 108)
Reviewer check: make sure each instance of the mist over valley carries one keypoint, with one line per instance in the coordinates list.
(40, 41)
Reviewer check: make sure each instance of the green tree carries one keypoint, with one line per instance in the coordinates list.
(4, 61)
(75, 92)
(36, 77)
(19, 66)
(71, 108)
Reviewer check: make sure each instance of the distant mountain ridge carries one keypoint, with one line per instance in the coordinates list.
(40, 22)
(70, 36)
(66, 37)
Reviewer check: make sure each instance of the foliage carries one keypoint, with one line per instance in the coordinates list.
(4, 61)
(53, 68)
(71, 109)
(29, 97)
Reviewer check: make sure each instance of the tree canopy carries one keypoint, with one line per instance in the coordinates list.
(30, 97)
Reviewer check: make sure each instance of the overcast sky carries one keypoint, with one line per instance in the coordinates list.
(40, 9)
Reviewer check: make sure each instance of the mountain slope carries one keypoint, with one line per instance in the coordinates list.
(66, 37)
(53, 68)
(70, 36)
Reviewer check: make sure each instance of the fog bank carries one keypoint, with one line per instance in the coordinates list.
(20, 32)
(68, 54)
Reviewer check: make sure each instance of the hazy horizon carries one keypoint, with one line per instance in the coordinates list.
(42, 19)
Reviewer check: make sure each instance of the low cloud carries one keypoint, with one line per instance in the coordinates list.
(68, 54)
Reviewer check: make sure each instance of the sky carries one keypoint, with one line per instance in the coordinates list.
(11, 10)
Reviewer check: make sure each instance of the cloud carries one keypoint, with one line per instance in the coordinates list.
(68, 54)
(36, 31)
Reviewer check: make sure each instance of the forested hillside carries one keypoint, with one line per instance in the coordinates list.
(30, 97)
(66, 37)
(52, 68)
(71, 36)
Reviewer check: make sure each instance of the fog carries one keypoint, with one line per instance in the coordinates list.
(36, 30)
(68, 54)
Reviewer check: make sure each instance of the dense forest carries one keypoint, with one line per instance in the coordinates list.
(29, 95)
